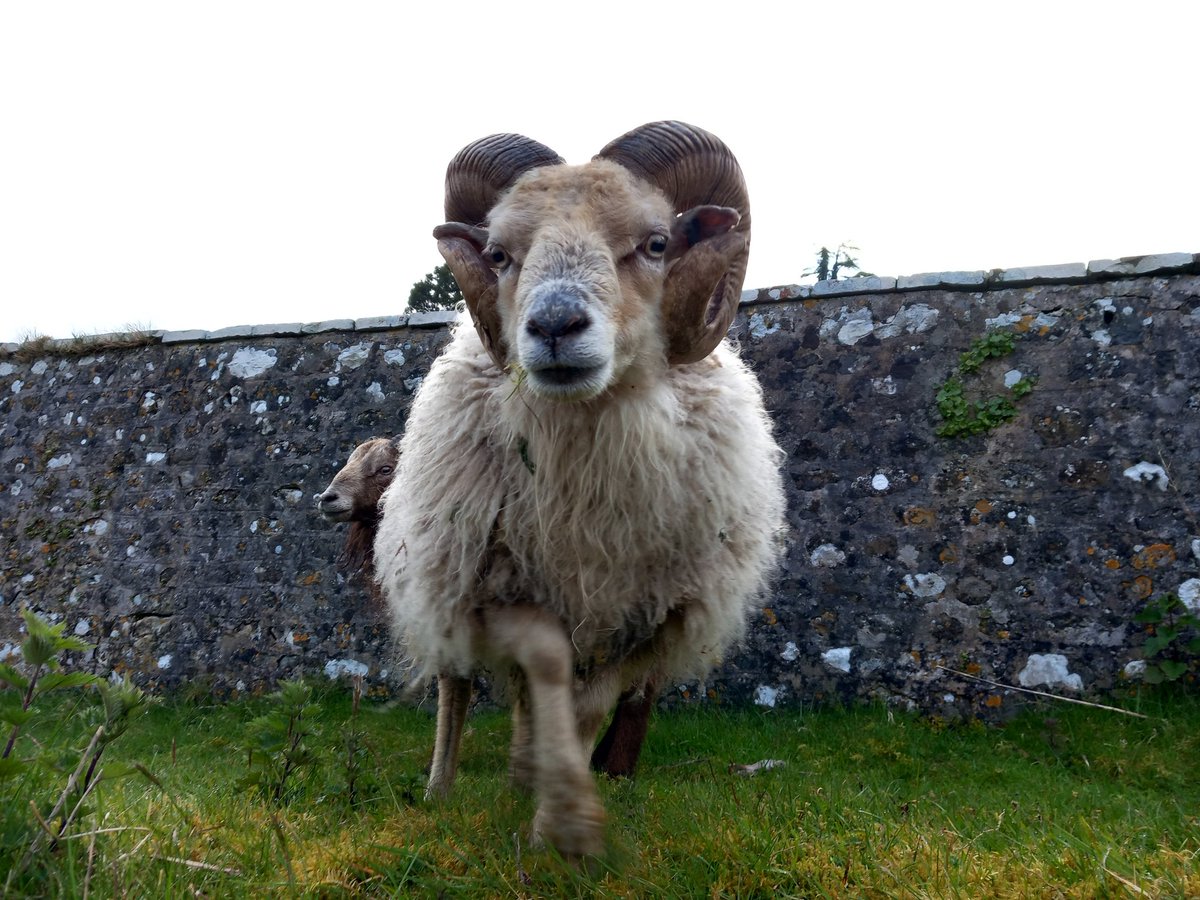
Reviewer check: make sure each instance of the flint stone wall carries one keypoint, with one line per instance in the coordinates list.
(159, 498)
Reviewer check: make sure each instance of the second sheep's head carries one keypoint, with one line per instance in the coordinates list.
(582, 275)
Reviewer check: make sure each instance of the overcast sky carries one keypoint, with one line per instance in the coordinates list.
(199, 165)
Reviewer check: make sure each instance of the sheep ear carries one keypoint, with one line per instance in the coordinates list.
(699, 224)
(462, 248)
(697, 308)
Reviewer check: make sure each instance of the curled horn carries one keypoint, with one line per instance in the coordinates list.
(694, 168)
(475, 179)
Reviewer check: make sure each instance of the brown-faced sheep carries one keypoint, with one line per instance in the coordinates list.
(591, 493)
(353, 496)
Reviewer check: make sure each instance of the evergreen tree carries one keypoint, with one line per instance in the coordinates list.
(437, 290)
(832, 263)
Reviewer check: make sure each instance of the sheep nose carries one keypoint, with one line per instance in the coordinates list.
(557, 316)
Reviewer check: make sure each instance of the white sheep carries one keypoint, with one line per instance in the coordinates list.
(588, 494)
(353, 497)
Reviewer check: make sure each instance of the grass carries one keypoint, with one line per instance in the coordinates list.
(1062, 801)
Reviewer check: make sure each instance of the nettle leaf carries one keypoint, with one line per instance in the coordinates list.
(12, 678)
(1155, 645)
(1153, 675)
(14, 715)
(57, 681)
(1173, 669)
(1151, 615)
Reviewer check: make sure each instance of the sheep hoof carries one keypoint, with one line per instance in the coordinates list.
(575, 829)
(435, 792)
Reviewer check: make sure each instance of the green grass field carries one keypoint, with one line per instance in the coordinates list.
(1063, 801)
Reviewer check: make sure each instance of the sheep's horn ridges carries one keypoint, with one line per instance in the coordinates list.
(693, 167)
(481, 171)
(690, 165)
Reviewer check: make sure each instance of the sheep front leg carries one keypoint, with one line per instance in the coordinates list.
(454, 696)
(569, 815)
(520, 754)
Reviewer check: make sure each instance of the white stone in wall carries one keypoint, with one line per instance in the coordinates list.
(352, 667)
(394, 357)
(352, 357)
(1148, 474)
(857, 326)
(1189, 593)
(249, 362)
(765, 695)
(1049, 669)
(926, 584)
(759, 326)
(790, 651)
(915, 319)
(827, 556)
(837, 658)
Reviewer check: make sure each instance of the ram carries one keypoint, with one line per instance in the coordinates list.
(588, 499)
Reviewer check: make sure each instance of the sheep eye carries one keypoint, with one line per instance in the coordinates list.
(496, 257)
(384, 470)
(655, 246)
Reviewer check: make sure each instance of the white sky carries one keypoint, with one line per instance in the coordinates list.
(198, 165)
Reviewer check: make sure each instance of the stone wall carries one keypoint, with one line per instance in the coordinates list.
(158, 497)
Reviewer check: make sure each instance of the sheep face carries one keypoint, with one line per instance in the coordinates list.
(585, 277)
(580, 258)
(353, 495)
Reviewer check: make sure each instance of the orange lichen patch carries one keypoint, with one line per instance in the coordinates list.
(949, 554)
(1154, 556)
(312, 578)
(993, 700)
(919, 515)
(1022, 325)
(973, 668)
(1112, 563)
(982, 508)
(1141, 587)
(769, 616)
(1091, 551)
(1003, 635)
(300, 637)
(916, 656)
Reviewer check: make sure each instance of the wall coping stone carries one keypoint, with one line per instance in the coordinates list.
(433, 319)
(328, 325)
(996, 279)
(380, 323)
